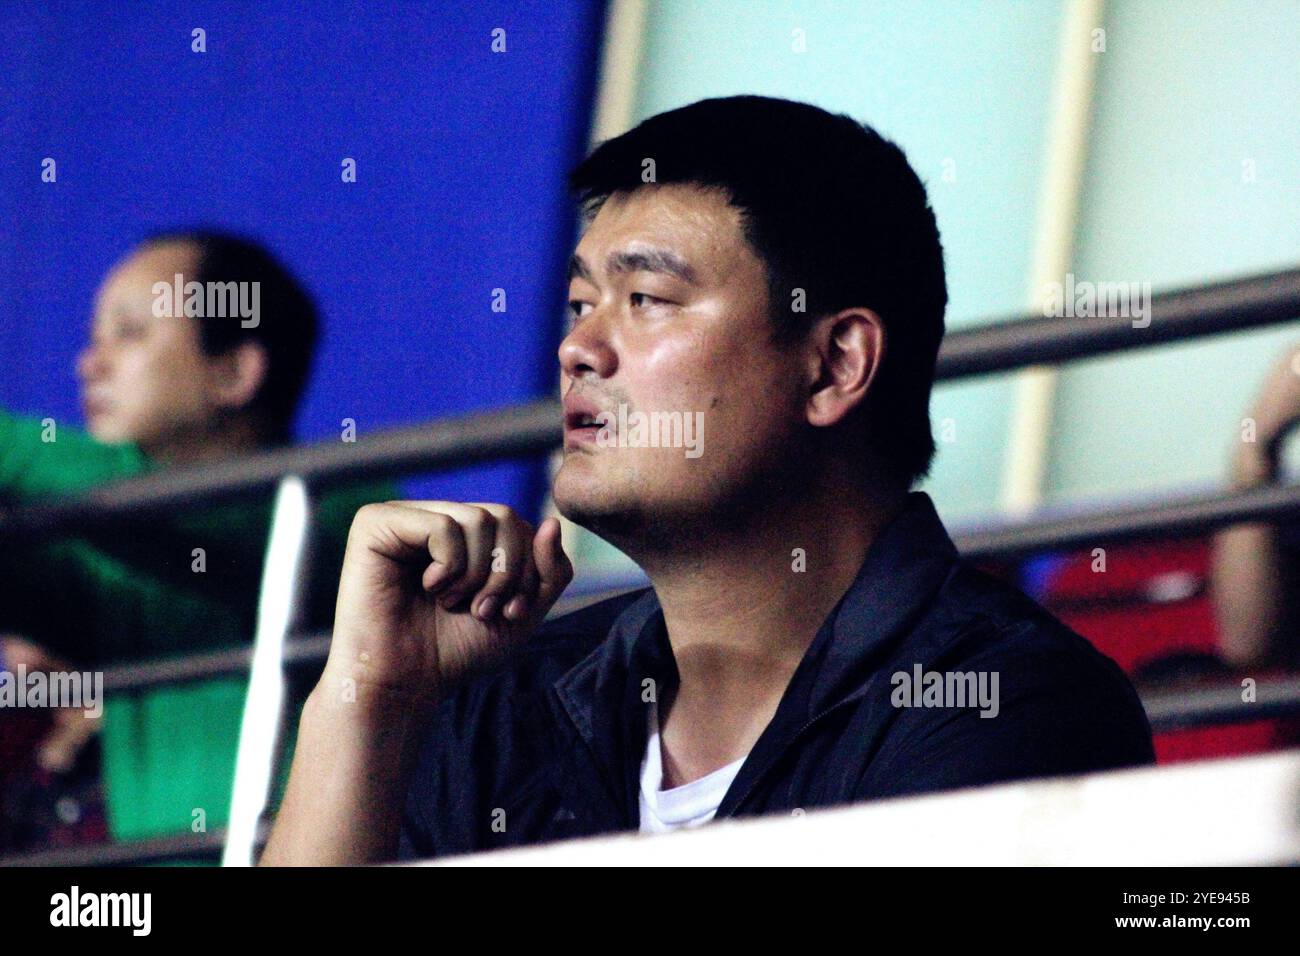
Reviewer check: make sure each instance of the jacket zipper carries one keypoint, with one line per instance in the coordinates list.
(790, 742)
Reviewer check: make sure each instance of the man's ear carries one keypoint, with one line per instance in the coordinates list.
(846, 350)
(239, 374)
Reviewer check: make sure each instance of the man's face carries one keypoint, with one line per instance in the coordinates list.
(671, 317)
(144, 378)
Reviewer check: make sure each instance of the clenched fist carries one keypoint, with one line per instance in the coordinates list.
(431, 588)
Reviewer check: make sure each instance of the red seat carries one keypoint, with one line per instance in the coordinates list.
(1150, 605)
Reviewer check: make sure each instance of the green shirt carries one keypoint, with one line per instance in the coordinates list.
(157, 587)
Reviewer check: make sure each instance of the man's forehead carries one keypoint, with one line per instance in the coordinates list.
(676, 229)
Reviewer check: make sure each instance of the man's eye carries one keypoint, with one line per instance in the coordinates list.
(640, 299)
(131, 330)
(576, 308)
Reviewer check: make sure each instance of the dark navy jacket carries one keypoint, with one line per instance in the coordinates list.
(550, 746)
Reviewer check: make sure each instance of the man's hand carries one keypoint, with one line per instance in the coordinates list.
(429, 589)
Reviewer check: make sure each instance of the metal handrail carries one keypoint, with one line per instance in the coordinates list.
(512, 432)
(1186, 515)
(300, 653)
(182, 846)
(1220, 703)
(1212, 309)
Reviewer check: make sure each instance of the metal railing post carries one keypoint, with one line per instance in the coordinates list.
(283, 583)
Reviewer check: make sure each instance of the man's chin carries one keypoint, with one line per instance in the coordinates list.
(581, 509)
(106, 431)
(590, 504)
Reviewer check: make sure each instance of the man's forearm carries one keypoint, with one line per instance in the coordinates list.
(1248, 597)
(1248, 576)
(355, 754)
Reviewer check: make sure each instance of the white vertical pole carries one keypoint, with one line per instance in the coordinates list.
(283, 577)
(1030, 429)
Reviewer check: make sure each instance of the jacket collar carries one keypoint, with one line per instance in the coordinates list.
(607, 694)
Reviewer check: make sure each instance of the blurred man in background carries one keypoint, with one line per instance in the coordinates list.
(161, 386)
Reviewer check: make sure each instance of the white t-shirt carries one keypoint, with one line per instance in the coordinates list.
(686, 806)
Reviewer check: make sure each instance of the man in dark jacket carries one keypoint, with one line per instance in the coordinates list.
(758, 302)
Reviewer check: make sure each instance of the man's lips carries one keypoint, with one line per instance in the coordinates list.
(581, 422)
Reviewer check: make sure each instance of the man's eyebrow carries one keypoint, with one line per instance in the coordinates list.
(578, 268)
(645, 260)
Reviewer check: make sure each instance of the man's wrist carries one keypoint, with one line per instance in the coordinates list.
(367, 700)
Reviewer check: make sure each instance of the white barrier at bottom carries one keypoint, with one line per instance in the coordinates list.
(1220, 812)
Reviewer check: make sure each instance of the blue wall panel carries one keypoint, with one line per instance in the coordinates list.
(460, 155)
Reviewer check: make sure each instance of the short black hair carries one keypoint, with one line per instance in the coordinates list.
(288, 322)
(833, 209)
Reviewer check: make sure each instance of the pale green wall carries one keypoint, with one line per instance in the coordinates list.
(1185, 92)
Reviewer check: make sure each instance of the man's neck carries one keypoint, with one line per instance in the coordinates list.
(231, 440)
(741, 609)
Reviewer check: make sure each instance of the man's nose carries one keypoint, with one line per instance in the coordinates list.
(587, 350)
(90, 363)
